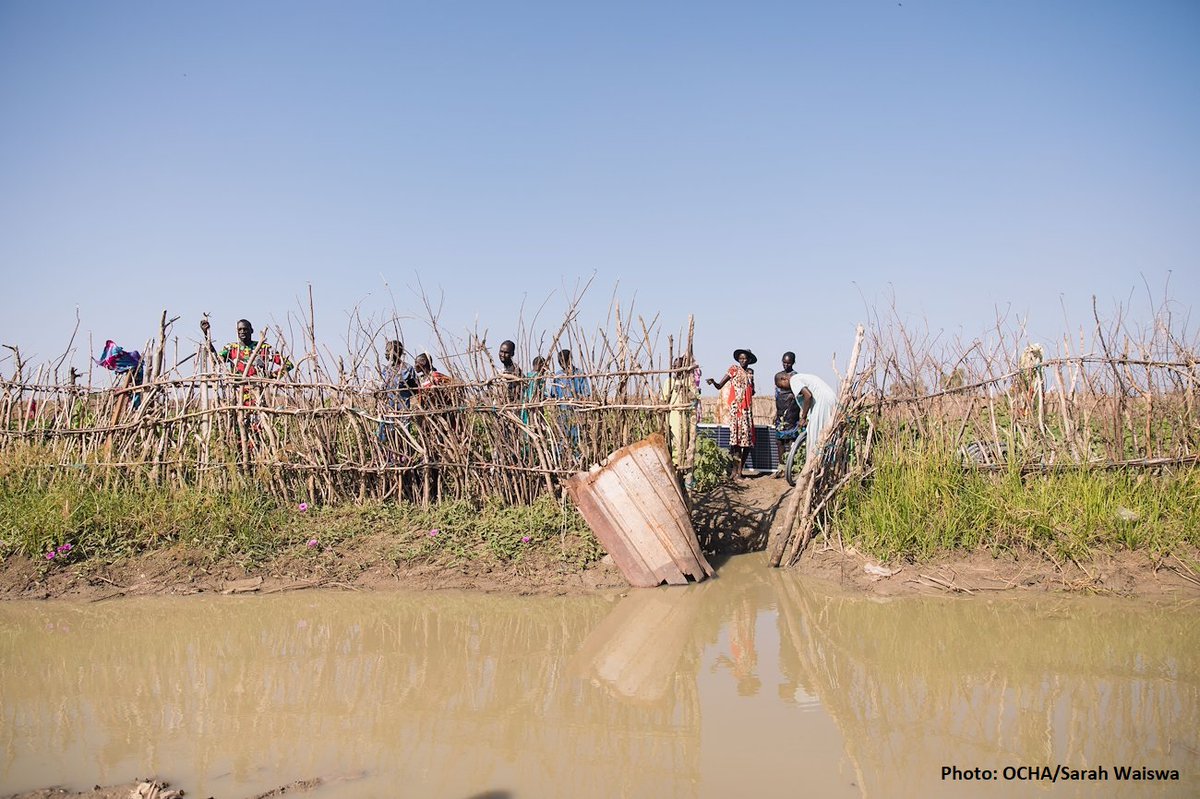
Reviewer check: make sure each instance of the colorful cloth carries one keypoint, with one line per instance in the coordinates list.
(254, 359)
(741, 407)
(432, 379)
(116, 359)
(432, 390)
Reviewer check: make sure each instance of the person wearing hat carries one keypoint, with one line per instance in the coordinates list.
(741, 408)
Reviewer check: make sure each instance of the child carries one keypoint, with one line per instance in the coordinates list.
(787, 417)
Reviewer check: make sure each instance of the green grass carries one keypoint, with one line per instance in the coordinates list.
(920, 502)
(249, 526)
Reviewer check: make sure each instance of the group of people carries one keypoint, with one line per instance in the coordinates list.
(402, 384)
(804, 403)
(404, 387)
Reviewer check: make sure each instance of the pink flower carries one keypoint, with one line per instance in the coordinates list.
(50, 555)
(64, 549)
(525, 539)
(303, 506)
(313, 543)
(434, 532)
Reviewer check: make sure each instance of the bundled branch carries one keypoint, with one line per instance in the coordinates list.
(331, 430)
(1109, 397)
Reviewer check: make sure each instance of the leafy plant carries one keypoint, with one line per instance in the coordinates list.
(711, 466)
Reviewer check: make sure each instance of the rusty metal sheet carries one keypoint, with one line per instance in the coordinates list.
(634, 506)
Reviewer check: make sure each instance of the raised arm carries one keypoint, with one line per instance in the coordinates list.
(204, 328)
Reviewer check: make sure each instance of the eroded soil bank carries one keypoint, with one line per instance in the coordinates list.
(730, 520)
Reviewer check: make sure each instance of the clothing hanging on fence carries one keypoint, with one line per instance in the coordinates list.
(116, 359)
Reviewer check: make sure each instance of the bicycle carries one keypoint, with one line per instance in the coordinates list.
(837, 453)
(794, 462)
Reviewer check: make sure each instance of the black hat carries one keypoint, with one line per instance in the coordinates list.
(751, 360)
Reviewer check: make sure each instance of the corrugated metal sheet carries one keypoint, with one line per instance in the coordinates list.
(636, 508)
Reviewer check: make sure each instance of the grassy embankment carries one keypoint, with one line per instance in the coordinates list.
(921, 502)
(249, 526)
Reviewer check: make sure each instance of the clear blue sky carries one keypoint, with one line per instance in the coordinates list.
(772, 168)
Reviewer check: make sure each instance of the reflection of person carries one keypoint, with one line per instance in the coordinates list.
(742, 660)
(817, 401)
(741, 408)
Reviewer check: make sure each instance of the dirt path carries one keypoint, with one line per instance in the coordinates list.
(739, 517)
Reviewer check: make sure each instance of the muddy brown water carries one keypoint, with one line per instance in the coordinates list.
(760, 683)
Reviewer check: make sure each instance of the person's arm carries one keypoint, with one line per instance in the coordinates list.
(716, 385)
(204, 328)
(805, 400)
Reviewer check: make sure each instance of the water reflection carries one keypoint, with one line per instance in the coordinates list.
(756, 683)
(637, 651)
(996, 683)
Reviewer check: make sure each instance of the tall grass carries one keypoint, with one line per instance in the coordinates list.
(920, 501)
(250, 526)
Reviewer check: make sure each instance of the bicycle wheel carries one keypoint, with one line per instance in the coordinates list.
(795, 458)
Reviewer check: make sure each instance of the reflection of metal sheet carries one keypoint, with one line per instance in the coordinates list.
(635, 651)
(635, 507)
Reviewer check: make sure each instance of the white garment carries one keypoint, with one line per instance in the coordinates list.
(821, 412)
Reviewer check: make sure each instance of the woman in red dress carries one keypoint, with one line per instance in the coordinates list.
(741, 408)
